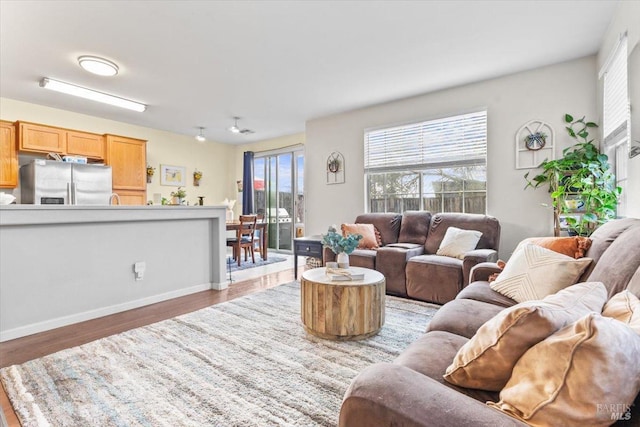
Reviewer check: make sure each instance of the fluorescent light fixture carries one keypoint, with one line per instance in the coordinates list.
(93, 95)
(99, 66)
(200, 137)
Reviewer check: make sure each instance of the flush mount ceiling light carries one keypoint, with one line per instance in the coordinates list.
(93, 95)
(200, 137)
(236, 129)
(99, 66)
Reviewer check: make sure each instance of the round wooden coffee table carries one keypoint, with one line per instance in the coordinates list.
(342, 310)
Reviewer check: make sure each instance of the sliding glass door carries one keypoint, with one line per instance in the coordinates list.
(279, 195)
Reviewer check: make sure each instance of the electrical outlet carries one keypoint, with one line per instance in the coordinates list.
(138, 269)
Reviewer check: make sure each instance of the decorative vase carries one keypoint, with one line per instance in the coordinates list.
(343, 260)
(149, 177)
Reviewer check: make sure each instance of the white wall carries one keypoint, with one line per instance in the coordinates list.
(545, 94)
(627, 18)
(210, 157)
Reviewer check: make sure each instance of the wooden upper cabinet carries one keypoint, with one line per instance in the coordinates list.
(41, 139)
(128, 160)
(8, 155)
(90, 145)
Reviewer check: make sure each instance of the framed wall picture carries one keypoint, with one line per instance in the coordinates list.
(173, 175)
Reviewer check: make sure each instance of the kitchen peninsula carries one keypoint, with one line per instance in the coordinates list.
(65, 264)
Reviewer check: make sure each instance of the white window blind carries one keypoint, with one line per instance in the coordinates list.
(616, 96)
(455, 140)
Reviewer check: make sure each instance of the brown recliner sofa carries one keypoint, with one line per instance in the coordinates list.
(411, 391)
(407, 257)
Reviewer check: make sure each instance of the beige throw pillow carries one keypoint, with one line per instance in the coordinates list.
(457, 242)
(625, 307)
(533, 272)
(587, 374)
(486, 360)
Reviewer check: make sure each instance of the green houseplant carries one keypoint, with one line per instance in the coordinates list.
(582, 174)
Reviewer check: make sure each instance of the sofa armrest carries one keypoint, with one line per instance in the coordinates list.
(481, 272)
(385, 394)
(328, 255)
(475, 257)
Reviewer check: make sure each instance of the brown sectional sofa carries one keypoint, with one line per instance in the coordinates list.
(411, 391)
(407, 257)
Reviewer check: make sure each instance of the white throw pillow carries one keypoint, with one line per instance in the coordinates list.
(457, 242)
(533, 272)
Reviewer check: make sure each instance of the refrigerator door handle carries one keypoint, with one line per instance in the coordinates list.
(73, 193)
(69, 201)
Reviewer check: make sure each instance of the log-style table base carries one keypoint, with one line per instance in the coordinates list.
(349, 310)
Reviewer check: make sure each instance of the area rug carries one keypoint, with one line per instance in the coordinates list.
(246, 362)
(233, 265)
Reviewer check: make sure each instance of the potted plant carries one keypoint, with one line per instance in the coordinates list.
(341, 245)
(197, 175)
(178, 196)
(150, 172)
(582, 174)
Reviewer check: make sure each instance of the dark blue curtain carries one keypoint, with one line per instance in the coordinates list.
(247, 183)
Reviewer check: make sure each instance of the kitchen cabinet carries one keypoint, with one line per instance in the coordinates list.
(41, 139)
(85, 144)
(128, 160)
(8, 155)
(131, 197)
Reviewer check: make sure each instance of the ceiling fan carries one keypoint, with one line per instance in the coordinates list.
(236, 129)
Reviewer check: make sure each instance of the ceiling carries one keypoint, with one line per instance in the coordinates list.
(277, 64)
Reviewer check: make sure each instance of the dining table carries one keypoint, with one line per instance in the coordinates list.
(261, 226)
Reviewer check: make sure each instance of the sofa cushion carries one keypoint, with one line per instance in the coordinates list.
(463, 317)
(481, 291)
(487, 225)
(574, 247)
(434, 278)
(620, 262)
(456, 242)
(486, 361)
(414, 227)
(625, 307)
(391, 261)
(430, 355)
(583, 375)
(534, 272)
(370, 235)
(388, 224)
(363, 258)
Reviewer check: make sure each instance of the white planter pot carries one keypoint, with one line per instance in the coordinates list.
(343, 260)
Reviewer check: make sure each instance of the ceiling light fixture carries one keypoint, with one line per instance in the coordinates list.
(200, 137)
(99, 66)
(236, 129)
(93, 95)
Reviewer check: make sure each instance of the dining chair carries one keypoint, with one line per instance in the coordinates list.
(257, 240)
(244, 238)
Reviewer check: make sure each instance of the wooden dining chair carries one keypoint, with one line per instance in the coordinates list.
(257, 238)
(244, 238)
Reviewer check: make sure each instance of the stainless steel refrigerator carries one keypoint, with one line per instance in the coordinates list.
(53, 182)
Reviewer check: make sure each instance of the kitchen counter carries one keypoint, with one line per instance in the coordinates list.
(65, 264)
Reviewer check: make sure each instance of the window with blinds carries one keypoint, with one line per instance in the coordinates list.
(616, 96)
(436, 165)
(616, 116)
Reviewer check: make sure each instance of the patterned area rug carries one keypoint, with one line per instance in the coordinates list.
(233, 265)
(246, 362)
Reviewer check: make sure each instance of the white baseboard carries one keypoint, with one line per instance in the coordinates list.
(47, 325)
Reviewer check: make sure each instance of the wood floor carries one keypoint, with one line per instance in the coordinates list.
(34, 346)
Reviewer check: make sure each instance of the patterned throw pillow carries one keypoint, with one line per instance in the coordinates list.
(534, 272)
